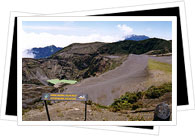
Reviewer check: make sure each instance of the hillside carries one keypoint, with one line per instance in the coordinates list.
(104, 71)
(137, 47)
(78, 61)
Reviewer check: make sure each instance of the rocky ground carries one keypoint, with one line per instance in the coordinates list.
(74, 111)
(95, 87)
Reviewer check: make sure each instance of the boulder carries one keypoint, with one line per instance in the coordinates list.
(162, 112)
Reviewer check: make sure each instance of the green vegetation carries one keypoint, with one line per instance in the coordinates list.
(25, 111)
(137, 105)
(130, 101)
(125, 102)
(156, 92)
(40, 107)
(115, 63)
(137, 47)
(49, 102)
(156, 65)
(96, 105)
(154, 52)
(60, 114)
(101, 106)
(55, 81)
(99, 65)
(89, 102)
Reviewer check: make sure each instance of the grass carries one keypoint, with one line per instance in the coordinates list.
(60, 114)
(136, 118)
(101, 106)
(156, 65)
(55, 81)
(25, 111)
(95, 106)
(40, 108)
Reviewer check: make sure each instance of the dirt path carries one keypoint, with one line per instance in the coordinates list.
(110, 85)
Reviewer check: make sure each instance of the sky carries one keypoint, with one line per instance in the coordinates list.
(64, 33)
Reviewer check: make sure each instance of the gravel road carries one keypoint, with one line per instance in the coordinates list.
(128, 77)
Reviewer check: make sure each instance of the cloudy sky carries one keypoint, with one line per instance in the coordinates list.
(63, 33)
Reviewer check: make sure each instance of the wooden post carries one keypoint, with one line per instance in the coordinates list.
(85, 110)
(45, 102)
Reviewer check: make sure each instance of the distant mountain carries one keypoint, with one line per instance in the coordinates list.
(43, 52)
(136, 37)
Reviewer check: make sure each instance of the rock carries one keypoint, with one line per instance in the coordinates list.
(31, 94)
(24, 106)
(162, 112)
(76, 109)
(60, 85)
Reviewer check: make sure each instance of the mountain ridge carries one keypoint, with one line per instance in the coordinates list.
(136, 37)
(76, 62)
(43, 52)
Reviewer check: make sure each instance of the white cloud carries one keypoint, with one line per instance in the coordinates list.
(31, 40)
(52, 28)
(27, 54)
(126, 29)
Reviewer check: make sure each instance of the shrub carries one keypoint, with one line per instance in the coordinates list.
(125, 101)
(129, 101)
(137, 105)
(89, 102)
(156, 92)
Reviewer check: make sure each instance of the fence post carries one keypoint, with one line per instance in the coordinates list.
(85, 110)
(45, 102)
